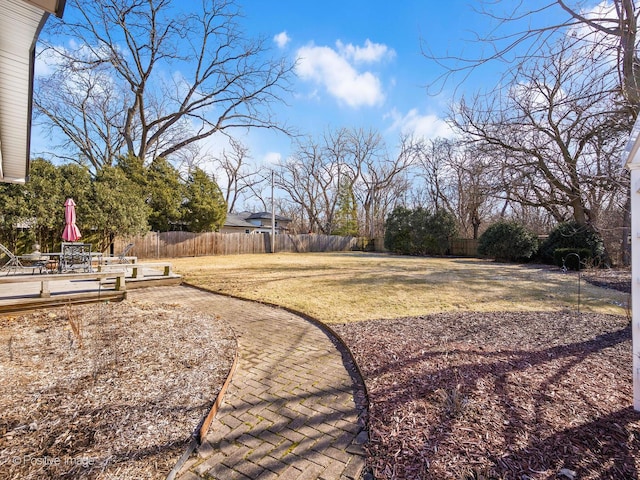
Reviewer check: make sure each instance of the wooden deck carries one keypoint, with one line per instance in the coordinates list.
(23, 292)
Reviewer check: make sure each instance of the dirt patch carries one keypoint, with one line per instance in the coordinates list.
(499, 395)
(113, 390)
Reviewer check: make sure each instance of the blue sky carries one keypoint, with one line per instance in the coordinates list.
(360, 65)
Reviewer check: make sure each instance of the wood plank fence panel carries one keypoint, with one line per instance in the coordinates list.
(466, 247)
(188, 244)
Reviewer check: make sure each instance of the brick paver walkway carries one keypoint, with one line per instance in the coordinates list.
(292, 409)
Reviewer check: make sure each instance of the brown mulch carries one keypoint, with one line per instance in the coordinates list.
(614, 278)
(531, 395)
(113, 390)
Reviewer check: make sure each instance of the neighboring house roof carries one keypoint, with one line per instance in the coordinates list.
(267, 216)
(243, 220)
(237, 220)
(20, 25)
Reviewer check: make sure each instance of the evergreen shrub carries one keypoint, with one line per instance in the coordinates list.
(509, 241)
(573, 236)
(563, 257)
(419, 232)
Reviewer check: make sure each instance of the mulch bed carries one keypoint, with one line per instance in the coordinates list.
(531, 395)
(106, 391)
(614, 278)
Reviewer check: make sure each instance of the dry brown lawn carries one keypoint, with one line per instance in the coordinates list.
(345, 287)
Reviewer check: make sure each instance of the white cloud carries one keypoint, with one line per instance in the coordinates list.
(370, 53)
(333, 70)
(75, 81)
(424, 126)
(272, 158)
(596, 41)
(282, 39)
(603, 13)
(534, 97)
(46, 62)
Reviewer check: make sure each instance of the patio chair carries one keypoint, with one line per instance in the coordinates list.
(14, 264)
(75, 257)
(123, 254)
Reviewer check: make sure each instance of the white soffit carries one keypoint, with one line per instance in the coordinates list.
(52, 6)
(630, 157)
(20, 24)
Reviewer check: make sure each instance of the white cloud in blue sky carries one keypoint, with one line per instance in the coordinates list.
(370, 53)
(336, 70)
(359, 64)
(421, 126)
(281, 39)
(271, 158)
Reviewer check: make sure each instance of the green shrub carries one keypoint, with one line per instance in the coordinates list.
(441, 228)
(418, 231)
(397, 235)
(507, 240)
(573, 236)
(563, 257)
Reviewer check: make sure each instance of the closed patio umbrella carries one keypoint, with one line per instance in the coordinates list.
(71, 232)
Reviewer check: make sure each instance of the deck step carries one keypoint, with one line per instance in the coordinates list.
(24, 304)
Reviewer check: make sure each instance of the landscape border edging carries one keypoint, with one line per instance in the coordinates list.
(201, 430)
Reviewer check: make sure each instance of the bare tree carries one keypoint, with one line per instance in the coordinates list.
(381, 180)
(522, 30)
(457, 178)
(150, 78)
(552, 135)
(240, 178)
(475, 192)
(351, 159)
(310, 180)
(434, 160)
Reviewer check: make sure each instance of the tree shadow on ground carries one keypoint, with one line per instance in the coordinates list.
(487, 403)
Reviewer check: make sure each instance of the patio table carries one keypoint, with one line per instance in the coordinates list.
(53, 261)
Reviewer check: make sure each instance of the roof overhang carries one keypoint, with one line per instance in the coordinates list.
(20, 25)
(56, 7)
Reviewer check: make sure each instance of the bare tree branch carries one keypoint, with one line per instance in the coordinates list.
(550, 134)
(181, 76)
(523, 33)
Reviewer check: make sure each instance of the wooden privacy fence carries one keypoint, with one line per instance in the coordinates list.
(188, 244)
(465, 247)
